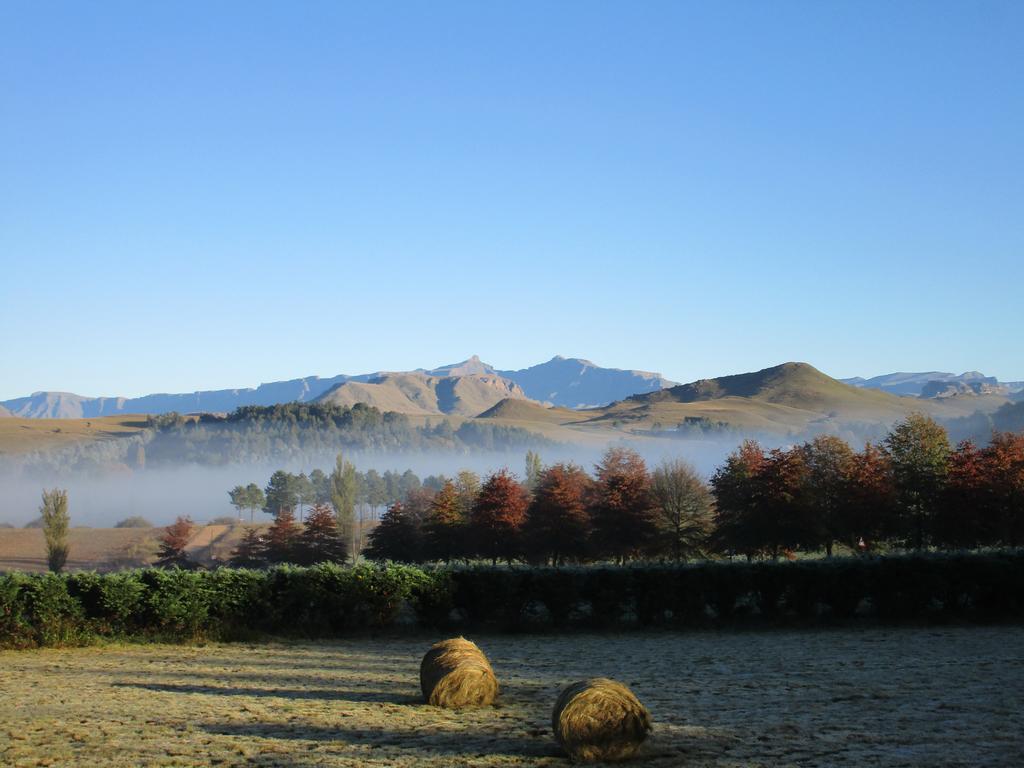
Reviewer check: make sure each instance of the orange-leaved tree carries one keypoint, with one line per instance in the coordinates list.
(498, 516)
(622, 511)
(558, 522)
(175, 538)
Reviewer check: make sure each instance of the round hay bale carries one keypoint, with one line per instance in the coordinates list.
(455, 673)
(599, 720)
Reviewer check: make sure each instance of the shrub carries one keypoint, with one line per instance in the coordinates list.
(329, 600)
(55, 615)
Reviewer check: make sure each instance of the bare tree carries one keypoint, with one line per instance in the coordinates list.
(684, 509)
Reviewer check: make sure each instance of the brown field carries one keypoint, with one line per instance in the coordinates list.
(24, 549)
(19, 435)
(905, 697)
(104, 549)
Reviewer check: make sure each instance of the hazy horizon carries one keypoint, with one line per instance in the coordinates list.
(485, 359)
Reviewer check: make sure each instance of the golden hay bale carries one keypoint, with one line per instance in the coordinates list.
(455, 673)
(599, 719)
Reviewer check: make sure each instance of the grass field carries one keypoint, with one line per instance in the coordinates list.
(909, 697)
(25, 435)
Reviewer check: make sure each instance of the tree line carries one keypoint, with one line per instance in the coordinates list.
(299, 430)
(284, 489)
(910, 491)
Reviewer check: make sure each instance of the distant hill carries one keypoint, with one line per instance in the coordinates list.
(560, 381)
(786, 399)
(66, 405)
(926, 384)
(421, 394)
(529, 410)
(4, 412)
(577, 383)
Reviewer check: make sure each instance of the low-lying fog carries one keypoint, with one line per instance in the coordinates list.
(161, 494)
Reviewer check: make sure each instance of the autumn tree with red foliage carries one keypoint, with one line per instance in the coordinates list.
(498, 516)
(1004, 472)
(964, 518)
(175, 538)
(282, 537)
(445, 527)
(558, 522)
(622, 511)
(783, 518)
(733, 488)
(868, 501)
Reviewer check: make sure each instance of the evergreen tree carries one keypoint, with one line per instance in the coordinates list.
(408, 482)
(254, 499)
(251, 551)
(239, 496)
(397, 537)
(321, 483)
(344, 496)
(467, 487)
(320, 540)
(280, 493)
(533, 470)
(305, 493)
(375, 490)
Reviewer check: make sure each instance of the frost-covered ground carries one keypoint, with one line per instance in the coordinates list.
(900, 697)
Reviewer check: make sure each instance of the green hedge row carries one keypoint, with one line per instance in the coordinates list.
(330, 600)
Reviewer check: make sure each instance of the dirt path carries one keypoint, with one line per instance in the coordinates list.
(949, 697)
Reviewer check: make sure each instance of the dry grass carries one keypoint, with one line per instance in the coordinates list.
(951, 697)
(19, 435)
(24, 549)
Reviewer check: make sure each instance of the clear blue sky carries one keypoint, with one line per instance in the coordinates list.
(219, 194)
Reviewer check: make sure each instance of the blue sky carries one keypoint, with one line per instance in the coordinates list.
(219, 194)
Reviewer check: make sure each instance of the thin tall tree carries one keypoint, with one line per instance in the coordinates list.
(55, 520)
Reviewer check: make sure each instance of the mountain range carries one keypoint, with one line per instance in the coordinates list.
(789, 399)
(937, 384)
(787, 402)
(450, 389)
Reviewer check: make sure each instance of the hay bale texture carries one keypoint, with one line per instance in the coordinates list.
(455, 673)
(599, 720)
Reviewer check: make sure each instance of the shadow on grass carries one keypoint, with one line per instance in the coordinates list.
(331, 694)
(327, 663)
(427, 742)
